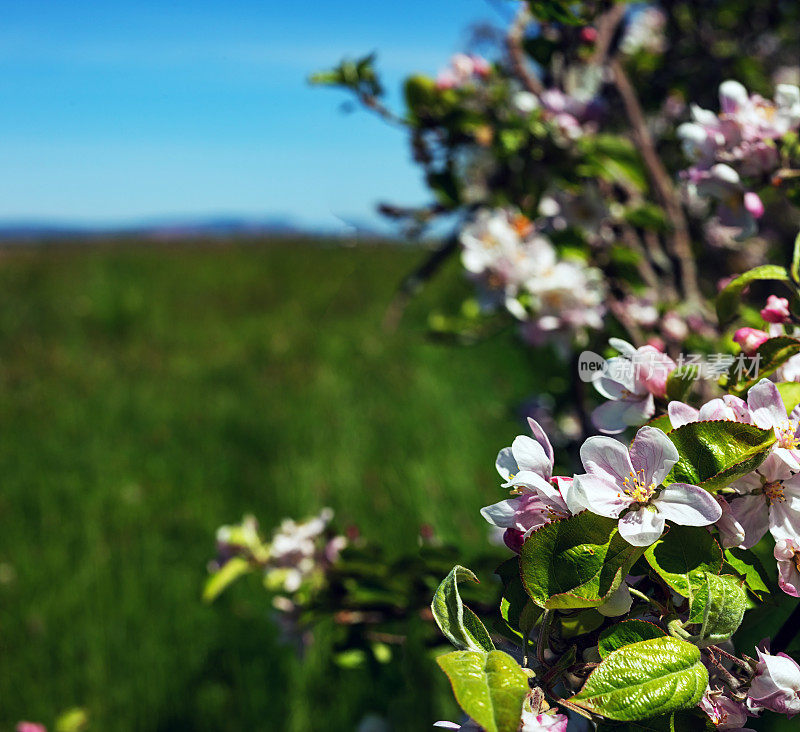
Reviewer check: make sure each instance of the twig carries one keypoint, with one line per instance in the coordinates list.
(681, 243)
(606, 29)
(544, 637)
(516, 52)
(734, 659)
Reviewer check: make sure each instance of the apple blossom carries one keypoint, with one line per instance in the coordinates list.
(776, 310)
(628, 485)
(30, 727)
(768, 500)
(776, 685)
(630, 382)
(724, 712)
(527, 468)
(731, 532)
(530, 722)
(787, 554)
(769, 412)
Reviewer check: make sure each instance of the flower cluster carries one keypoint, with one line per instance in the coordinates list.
(463, 69)
(737, 145)
(297, 555)
(517, 267)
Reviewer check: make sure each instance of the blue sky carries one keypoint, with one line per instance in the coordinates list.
(120, 111)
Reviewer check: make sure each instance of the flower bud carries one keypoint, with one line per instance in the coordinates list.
(776, 310)
(749, 339)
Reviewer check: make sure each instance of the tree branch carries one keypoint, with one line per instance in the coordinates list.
(516, 52)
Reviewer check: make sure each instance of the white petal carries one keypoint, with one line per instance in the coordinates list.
(688, 505)
(505, 463)
(654, 453)
(642, 527)
(607, 458)
(618, 603)
(598, 495)
(681, 414)
(752, 513)
(500, 514)
(766, 405)
(541, 437)
(530, 456)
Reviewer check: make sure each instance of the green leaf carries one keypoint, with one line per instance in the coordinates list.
(460, 625)
(683, 556)
(679, 383)
(229, 572)
(580, 622)
(489, 687)
(747, 565)
(645, 679)
(713, 454)
(625, 633)
(518, 612)
(790, 393)
(730, 296)
(576, 562)
(718, 607)
(770, 355)
(795, 268)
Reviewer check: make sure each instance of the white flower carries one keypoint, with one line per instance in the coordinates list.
(628, 485)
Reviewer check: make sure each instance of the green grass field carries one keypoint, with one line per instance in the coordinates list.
(149, 394)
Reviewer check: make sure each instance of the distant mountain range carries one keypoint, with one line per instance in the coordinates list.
(182, 228)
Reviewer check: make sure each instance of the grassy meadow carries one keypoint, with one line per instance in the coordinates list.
(149, 394)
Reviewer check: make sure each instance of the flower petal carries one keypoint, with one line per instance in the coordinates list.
(752, 513)
(530, 455)
(540, 437)
(597, 494)
(642, 527)
(618, 603)
(766, 405)
(505, 463)
(606, 458)
(654, 453)
(681, 414)
(688, 505)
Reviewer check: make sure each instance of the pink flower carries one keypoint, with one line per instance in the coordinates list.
(527, 467)
(777, 684)
(543, 722)
(588, 34)
(480, 66)
(769, 412)
(776, 310)
(749, 339)
(30, 727)
(725, 713)
(787, 553)
(628, 485)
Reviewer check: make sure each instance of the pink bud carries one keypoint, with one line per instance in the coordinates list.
(588, 34)
(30, 727)
(753, 205)
(777, 310)
(446, 79)
(657, 343)
(750, 339)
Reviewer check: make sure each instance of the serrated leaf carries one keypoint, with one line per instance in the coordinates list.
(489, 687)
(713, 454)
(460, 625)
(683, 555)
(625, 633)
(229, 572)
(729, 297)
(769, 356)
(644, 680)
(746, 564)
(575, 562)
(718, 606)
